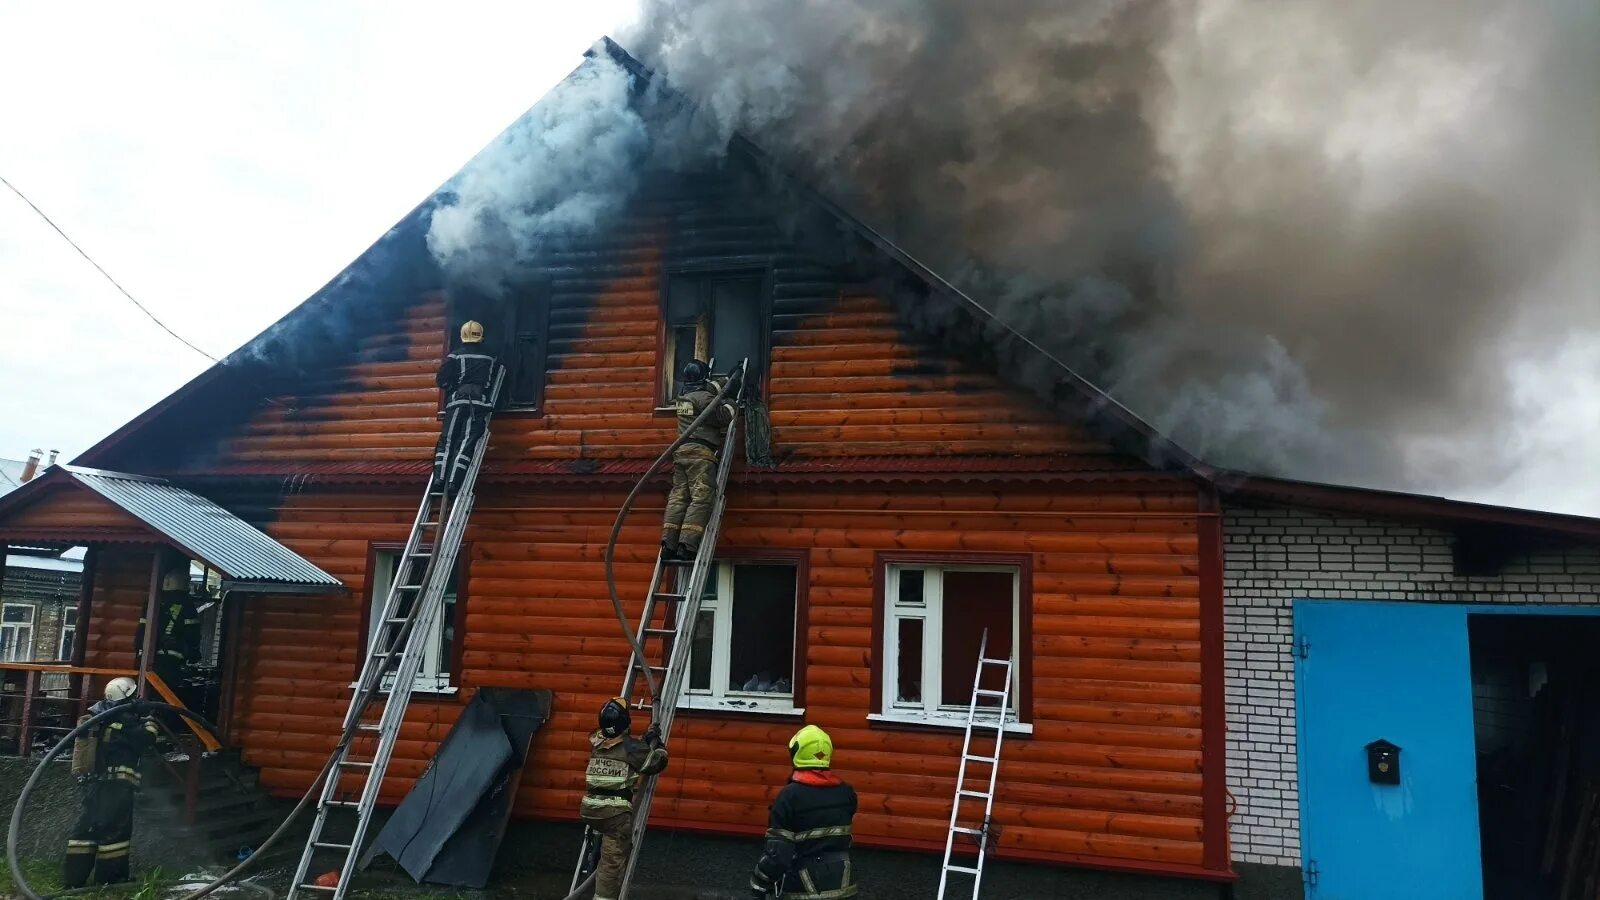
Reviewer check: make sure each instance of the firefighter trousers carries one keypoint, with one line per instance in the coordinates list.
(616, 840)
(689, 502)
(458, 437)
(100, 839)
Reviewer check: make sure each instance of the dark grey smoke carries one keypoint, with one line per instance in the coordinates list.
(1305, 236)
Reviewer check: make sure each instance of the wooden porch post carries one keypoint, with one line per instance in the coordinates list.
(80, 684)
(152, 624)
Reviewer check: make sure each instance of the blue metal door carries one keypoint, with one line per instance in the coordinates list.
(1402, 672)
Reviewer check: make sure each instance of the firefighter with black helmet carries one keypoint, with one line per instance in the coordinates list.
(177, 634)
(616, 763)
(105, 760)
(807, 855)
(465, 376)
(694, 463)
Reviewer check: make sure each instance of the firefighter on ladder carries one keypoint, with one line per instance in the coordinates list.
(616, 763)
(177, 634)
(694, 463)
(105, 760)
(465, 376)
(807, 854)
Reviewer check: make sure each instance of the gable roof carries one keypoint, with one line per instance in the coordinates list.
(963, 325)
(247, 557)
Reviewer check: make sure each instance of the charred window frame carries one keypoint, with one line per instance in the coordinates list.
(517, 332)
(713, 313)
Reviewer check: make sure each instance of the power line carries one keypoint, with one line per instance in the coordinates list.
(85, 255)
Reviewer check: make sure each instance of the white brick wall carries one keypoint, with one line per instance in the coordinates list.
(1276, 556)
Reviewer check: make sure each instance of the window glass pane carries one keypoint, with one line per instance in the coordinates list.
(973, 601)
(18, 614)
(736, 312)
(911, 581)
(909, 688)
(69, 616)
(761, 655)
(705, 627)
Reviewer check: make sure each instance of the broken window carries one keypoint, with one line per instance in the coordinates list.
(936, 618)
(435, 672)
(717, 317)
(16, 632)
(742, 643)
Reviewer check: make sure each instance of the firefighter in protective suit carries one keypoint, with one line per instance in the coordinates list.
(105, 760)
(807, 855)
(616, 763)
(177, 635)
(694, 463)
(465, 376)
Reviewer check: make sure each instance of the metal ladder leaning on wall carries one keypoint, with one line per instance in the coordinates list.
(978, 717)
(678, 609)
(414, 601)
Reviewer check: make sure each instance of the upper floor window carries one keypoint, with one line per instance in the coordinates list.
(516, 330)
(435, 674)
(719, 317)
(935, 618)
(742, 654)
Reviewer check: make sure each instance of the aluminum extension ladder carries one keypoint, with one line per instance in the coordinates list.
(978, 717)
(678, 609)
(413, 602)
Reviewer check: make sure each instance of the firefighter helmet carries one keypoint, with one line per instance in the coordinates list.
(695, 372)
(811, 748)
(471, 332)
(176, 579)
(120, 689)
(614, 717)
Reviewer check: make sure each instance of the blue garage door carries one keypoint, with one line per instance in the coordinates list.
(1402, 673)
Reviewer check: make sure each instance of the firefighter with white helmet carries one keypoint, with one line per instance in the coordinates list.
(465, 377)
(807, 855)
(616, 763)
(105, 760)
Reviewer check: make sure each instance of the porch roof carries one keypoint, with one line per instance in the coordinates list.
(247, 557)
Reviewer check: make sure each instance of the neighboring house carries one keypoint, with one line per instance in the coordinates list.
(920, 495)
(14, 473)
(40, 604)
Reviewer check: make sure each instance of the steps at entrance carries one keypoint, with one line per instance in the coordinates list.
(231, 812)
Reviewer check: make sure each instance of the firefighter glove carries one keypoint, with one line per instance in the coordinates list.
(652, 735)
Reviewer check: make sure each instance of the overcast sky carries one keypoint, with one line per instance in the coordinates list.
(223, 161)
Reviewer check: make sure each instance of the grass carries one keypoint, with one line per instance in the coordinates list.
(44, 875)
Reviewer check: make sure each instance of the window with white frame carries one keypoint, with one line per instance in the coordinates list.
(433, 674)
(935, 619)
(742, 651)
(69, 633)
(16, 632)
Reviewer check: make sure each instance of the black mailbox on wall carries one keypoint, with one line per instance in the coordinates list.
(1383, 762)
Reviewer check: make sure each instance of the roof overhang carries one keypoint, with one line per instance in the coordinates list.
(153, 510)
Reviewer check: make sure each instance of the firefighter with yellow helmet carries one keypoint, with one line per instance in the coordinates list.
(465, 376)
(616, 763)
(807, 855)
(105, 760)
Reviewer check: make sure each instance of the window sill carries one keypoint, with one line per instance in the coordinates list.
(425, 693)
(741, 707)
(938, 723)
(662, 412)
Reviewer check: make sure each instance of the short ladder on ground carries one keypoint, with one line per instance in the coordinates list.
(986, 719)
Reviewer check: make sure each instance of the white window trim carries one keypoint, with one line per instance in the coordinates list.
(952, 721)
(16, 628)
(69, 634)
(935, 709)
(724, 700)
(433, 675)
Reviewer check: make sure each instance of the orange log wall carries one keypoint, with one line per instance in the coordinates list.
(1112, 771)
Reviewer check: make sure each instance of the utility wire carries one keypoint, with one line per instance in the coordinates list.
(85, 255)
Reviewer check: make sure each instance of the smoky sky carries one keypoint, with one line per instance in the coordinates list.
(1299, 236)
